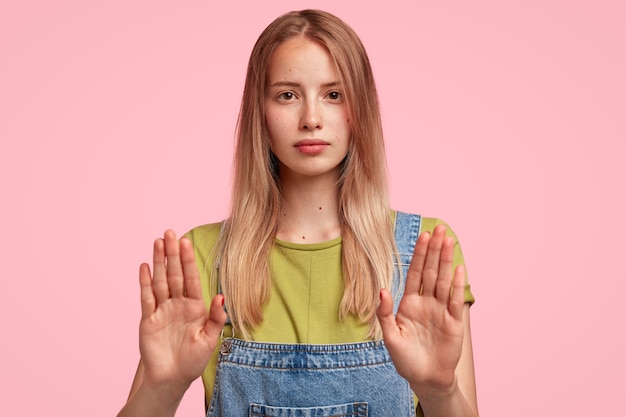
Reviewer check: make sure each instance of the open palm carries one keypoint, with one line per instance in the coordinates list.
(425, 338)
(176, 335)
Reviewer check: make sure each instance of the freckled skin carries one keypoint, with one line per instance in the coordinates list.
(305, 100)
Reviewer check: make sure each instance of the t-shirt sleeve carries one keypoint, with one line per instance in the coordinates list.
(428, 225)
(204, 238)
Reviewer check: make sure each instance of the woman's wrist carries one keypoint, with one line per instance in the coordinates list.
(154, 400)
(436, 391)
(168, 392)
(443, 401)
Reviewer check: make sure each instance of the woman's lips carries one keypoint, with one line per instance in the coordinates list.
(311, 146)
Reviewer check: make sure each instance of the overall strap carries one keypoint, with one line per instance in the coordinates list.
(406, 230)
(219, 286)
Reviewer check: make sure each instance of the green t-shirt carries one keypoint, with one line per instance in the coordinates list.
(306, 291)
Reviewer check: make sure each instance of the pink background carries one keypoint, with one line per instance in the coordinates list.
(507, 119)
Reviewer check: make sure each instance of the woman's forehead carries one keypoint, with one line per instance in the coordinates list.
(301, 59)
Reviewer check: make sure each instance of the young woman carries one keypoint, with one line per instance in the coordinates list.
(310, 272)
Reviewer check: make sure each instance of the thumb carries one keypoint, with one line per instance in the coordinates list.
(384, 312)
(217, 318)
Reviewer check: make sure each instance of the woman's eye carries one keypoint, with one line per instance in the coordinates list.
(287, 95)
(334, 95)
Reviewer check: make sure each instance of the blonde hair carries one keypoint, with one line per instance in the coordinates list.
(366, 224)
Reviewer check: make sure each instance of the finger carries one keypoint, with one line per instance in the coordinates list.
(174, 267)
(384, 312)
(444, 280)
(431, 265)
(159, 281)
(148, 302)
(414, 275)
(190, 270)
(457, 300)
(217, 318)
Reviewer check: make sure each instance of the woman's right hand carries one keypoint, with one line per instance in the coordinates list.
(176, 335)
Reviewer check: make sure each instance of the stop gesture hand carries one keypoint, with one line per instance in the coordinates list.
(425, 338)
(176, 335)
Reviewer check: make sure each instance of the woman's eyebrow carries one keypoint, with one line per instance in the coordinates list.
(331, 84)
(285, 84)
(294, 84)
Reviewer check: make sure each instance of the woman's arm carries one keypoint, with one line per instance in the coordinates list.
(429, 339)
(176, 334)
(147, 406)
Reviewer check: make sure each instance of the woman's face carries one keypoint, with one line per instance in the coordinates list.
(305, 110)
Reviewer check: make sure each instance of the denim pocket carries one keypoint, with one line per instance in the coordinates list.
(347, 410)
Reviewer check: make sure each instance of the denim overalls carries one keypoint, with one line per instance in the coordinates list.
(301, 380)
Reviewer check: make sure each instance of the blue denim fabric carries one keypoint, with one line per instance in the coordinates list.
(406, 230)
(280, 380)
(299, 380)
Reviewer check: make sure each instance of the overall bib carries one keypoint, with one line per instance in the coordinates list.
(303, 380)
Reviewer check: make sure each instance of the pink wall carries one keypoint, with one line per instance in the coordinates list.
(508, 121)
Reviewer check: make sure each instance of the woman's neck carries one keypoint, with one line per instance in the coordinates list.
(310, 210)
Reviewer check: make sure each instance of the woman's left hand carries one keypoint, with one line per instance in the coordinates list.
(425, 338)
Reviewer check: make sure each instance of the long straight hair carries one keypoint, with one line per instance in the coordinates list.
(366, 224)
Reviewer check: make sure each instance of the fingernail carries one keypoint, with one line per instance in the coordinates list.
(222, 301)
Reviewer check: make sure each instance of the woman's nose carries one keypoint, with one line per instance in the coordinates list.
(311, 117)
